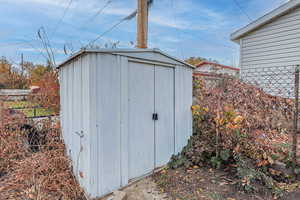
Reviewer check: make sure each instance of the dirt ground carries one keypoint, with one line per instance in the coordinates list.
(193, 184)
(145, 189)
(207, 184)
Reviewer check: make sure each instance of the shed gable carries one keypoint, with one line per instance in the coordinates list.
(144, 54)
(153, 56)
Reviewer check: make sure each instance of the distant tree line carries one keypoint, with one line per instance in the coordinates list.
(23, 76)
(45, 77)
(197, 60)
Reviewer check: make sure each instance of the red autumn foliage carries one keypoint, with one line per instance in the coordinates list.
(48, 94)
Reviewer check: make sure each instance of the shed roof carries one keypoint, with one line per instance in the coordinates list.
(283, 9)
(122, 52)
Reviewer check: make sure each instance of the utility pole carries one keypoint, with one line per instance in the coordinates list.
(142, 24)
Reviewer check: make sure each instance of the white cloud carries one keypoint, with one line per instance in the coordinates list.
(41, 50)
(168, 22)
(59, 3)
(185, 15)
(118, 11)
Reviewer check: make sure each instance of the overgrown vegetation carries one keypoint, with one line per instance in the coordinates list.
(45, 77)
(48, 94)
(33, 164)
(242, 130)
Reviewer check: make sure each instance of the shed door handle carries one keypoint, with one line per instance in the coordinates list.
(155, 116)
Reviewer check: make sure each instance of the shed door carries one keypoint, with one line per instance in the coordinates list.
(164, 107)
(151, 142)
(141, 125)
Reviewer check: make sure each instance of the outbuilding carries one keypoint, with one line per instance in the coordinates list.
(123, 114)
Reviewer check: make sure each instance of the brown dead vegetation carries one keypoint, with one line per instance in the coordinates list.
(27, 172)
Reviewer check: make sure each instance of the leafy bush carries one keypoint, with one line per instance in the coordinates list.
(239, 126)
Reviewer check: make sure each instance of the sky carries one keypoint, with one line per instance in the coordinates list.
(181, 28)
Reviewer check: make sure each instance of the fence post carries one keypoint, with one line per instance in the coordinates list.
(34, 111)
(1, 112)
(296, 112)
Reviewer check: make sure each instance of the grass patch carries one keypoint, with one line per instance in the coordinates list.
(28, 109)
(19, 104)
(37, 112)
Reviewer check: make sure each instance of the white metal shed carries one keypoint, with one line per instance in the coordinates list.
(123, 114)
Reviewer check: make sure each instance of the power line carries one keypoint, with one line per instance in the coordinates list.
(62, 17)
(127, 18)
(36, 49)
(97, 14)
(107, 31)
(42, 34)
(242, 10)
(108, 2)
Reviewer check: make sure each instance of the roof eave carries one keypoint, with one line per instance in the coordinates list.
(82, 51)
(283, 9)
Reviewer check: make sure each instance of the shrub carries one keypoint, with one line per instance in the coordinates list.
(239, 126)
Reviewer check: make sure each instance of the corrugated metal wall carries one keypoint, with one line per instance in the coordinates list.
(94, 116)
(183, 102)
(75, 119)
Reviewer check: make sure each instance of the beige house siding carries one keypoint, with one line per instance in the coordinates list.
(275, 44)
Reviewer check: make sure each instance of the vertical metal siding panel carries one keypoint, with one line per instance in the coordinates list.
(183, 102)
(124, 120)
(69, 108)
(109, 92)
(71, 114)
(65, 107)
(60, 80)
(95, 155)
(63, 117)
(61, 93)
(241, 56)
(85, 112)
(189, 101)
(76, 117)
(99, 113)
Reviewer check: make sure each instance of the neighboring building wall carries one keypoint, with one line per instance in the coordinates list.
(269, 54)
(275, 44)
(210, 68)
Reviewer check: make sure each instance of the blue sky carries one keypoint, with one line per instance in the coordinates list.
(182, 28)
